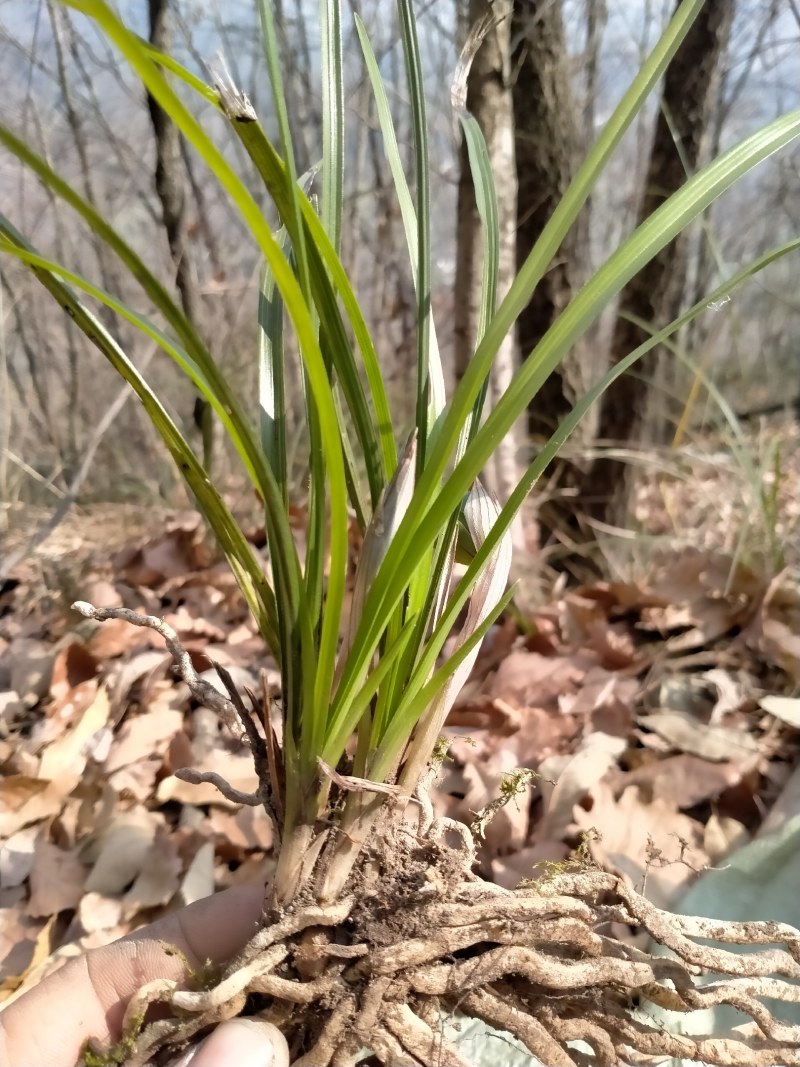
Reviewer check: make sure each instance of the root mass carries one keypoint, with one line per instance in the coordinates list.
(418, 939)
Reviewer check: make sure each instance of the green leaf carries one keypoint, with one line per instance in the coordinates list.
(295, 228)
(217, 388)
(436, 697)
(569, 424)
(406, 205)
(271, 381)
(247, 570)
(376, 437)
(419, 125)
(433, 505)
(383, 526)
(332, 119)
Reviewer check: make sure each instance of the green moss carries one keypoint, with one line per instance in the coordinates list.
(96, 1055)
(580, 859)
(206, 976)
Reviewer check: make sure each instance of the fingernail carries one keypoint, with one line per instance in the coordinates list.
(244, 1042)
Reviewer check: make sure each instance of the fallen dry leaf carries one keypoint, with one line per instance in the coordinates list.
(25, 957)
(198, 882)
(26, 801)
(64, 760)
(99, 912)
(16, 858)
(716, 743)
(602, 692)
(777, 630)
(575, 780)
(144, 665)
(563, 690)
(159, 878)
(542, 733)
(485, 713)
(235, 768)
(142, 736)
(247, 829)
(529, 678)
(732, 693)
(73, 667)
(30, 668)
(137, 780)
(644, 841)
(585, 624)
(685, 780)
(170, 555)
(57, 879)
(11, 708)
(787, 709)
(115, 637)
(121, 852)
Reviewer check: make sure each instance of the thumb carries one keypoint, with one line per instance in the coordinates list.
(240, 1043)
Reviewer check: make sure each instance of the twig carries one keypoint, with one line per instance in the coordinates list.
(203, 692)
(236, 796)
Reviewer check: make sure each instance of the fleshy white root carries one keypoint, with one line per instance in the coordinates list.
(419, 938)
(533, 964)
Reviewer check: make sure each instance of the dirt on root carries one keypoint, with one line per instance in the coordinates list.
(418, 938)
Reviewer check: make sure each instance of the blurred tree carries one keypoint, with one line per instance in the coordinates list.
(489, 99)
(171, 189)
(547, 145)
(656, 293)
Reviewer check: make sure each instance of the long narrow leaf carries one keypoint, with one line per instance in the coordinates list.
(481, 512)
(247, 570)
(332, 119)
(235, 419)
(431, 705)
(419, 125)
(406, 204)
(426, 519)
(286, 567)
(383, 526)
(294, 619)
(271, 380)
(377, 440)
(552, 447)
(517, 297)
(270, 38)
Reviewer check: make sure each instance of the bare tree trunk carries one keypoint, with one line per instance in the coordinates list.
(656, 293)
(596, 18)
(696, 335)
(170, 187)
(489, 99)
(546, 150)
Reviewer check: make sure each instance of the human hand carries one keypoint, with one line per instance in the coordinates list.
(87, 997)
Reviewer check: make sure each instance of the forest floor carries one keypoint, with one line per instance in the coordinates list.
(659, 707)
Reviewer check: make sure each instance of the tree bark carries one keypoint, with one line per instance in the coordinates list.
(171, 190)
(489, 100)
(656, 293)
(547, 143)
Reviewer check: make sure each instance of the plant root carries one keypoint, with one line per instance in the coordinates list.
(395, 964)
(417, 940)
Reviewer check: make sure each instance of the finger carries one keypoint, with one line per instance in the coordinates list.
(240, 1043)
(87, 997)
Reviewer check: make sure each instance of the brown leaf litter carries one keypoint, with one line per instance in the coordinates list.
(645, 709)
